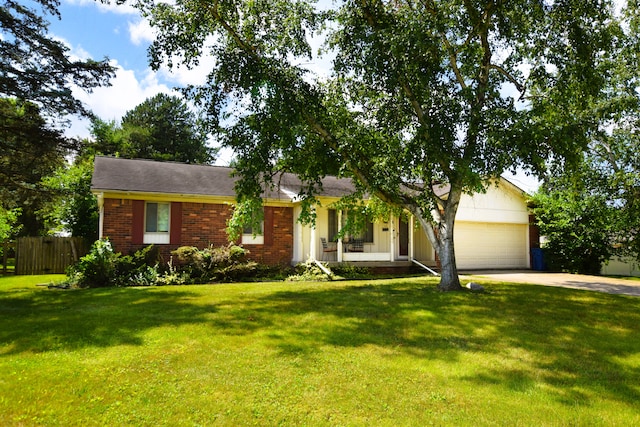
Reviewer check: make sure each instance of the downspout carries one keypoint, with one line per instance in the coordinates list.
(425, 267)
(324, 269)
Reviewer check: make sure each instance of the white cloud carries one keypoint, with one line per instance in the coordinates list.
(111, 103)
(123, 9)
(195, 75)
(141, 32)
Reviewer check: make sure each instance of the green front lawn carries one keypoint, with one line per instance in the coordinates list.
(389, 352)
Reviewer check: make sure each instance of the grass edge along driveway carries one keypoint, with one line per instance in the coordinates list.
(375, 352)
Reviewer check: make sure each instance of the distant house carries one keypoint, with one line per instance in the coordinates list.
(172, 204)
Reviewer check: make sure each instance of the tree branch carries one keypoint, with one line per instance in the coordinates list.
(519, 86)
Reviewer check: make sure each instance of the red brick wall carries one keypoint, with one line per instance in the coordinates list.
(117, 223)
(203, 224)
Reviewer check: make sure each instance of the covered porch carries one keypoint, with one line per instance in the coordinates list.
(395, 243)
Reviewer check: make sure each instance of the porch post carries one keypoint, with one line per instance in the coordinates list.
(312, 249)
(298, 241)
(100, 198)
(339, 243)
(392, 238)
(411, 225)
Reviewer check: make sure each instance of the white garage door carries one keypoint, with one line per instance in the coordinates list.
(484, 245)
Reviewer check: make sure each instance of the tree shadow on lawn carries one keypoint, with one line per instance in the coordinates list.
(568, 340)
(575, 343)
(66, 320)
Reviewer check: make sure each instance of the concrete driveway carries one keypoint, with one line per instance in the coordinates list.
(565, 280)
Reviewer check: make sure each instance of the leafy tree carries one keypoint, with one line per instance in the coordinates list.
(37, 68)
(421, 92)
(8, 220)
(592, 212)
(29, 151)
(577, 224)
(161, 128)
(74, 208)
(36, 77)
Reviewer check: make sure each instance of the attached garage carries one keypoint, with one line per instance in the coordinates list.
(491, 245)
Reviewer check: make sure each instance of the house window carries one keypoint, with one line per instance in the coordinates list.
(252, 235)
(156, 223)
(367, 234)
(332, 225)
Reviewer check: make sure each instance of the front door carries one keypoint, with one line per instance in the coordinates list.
(403, 238)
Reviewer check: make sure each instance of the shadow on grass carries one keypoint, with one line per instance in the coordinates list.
(575, 344)
(66, 320)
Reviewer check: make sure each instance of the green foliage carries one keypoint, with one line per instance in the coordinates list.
(594, 208)
(216, 264)
(102, 267)
(8, 220)
(578, 227)
(97, 268)
(75, 208)
(350, 271)
(161, 128)
(307, 272)
(419, 93)
(36, 67)
(29, 150)
(247, 213)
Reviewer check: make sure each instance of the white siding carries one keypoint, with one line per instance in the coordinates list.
(502, 204)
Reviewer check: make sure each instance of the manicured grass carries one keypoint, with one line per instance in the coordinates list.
(389, 352)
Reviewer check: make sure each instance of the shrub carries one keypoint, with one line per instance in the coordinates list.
(218, 264)
(96, 269)
(350, 271)
(308, 272)
(103, 267)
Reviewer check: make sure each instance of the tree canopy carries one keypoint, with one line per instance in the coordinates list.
(29, 151)
(161, 128)
(419, 93)
(37, 74)
(591, 212)
(73, 208)
(37, 68)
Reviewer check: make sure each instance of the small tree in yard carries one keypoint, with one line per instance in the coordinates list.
(423, 92)
(577, 225)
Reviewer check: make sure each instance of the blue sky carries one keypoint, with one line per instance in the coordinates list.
(93, 30)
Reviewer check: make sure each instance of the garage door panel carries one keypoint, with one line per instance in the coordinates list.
(484, 245)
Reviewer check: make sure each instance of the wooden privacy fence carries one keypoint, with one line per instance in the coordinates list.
(47, 255)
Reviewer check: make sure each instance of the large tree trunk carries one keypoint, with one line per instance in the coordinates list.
(449, 280)
(440, 235)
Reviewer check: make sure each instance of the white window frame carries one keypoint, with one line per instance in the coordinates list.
(254, 239)
(157, 237)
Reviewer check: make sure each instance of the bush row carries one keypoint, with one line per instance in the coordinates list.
(103, 267)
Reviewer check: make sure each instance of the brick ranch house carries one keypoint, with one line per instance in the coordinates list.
(170, 205)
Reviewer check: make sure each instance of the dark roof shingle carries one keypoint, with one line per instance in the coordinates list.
(148, 176)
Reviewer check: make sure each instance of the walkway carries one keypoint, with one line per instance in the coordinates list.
(576, 281)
